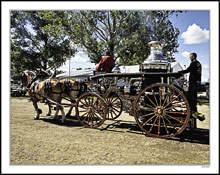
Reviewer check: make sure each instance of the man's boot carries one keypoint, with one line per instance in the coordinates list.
(199, 116)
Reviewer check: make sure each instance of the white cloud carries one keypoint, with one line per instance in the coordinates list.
(205, 77)
(195, 35)
(205, 73)
(79, 58)
(206, 66)
(81, 53)
(185, 54)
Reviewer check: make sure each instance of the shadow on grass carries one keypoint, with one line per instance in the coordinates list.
(195, 135)
(192, 135)
(71, 121)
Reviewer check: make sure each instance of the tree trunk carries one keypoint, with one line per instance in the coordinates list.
(111, 49)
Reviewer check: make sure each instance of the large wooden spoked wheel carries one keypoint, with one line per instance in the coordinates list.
(91, 110)
(161, 110)
(115, 106)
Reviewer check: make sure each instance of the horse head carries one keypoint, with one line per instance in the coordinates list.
(26, 77)
(42, 74)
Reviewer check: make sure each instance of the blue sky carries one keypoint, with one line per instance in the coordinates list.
(194, 37)
(194, 29)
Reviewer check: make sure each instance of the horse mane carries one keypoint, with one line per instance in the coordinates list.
(53, 75)
(29, 72)
(29, 76)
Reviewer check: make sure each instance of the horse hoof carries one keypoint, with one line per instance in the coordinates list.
(63, 121)
(55, 118)
(39, 111)
(36, 118)
(67, 115)
(48, 115)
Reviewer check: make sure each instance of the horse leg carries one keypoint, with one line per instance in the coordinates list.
(34, 101)
(63, 114)
(56, 113)
(62, 111)
(49, 106)
(70, 110)
(38, 111)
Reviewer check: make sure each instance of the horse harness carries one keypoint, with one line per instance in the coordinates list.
(67, 87)
(36, 84)
(48, 87)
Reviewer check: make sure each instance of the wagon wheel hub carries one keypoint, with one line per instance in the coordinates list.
(90, 110)
(160, 111)
(108, 103)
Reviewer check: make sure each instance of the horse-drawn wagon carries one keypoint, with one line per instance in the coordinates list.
(153, 96)
(160, 109)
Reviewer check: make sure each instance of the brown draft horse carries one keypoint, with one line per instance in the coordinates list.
(37, 92)
(26, 78)
(51, 89)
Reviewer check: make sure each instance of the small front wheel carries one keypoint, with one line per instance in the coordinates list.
(115, 106)
(91, 110)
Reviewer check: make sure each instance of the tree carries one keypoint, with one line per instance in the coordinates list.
(125, 34)
(37, 42)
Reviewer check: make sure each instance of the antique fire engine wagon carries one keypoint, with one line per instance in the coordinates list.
(153, 96)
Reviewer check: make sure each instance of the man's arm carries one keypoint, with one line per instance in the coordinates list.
(199, 68)
(187, 70)
(100, 65)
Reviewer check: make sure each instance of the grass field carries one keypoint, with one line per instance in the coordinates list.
(118, 142)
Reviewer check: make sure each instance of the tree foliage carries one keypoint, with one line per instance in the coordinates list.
(46, 39)
(37, 41)
(125, 34)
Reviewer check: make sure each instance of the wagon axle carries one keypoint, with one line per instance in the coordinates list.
(90, 110)
(160, 111)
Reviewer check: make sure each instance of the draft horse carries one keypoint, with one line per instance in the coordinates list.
(52, 90)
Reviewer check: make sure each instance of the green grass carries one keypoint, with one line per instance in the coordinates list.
(201, 101)
(20, 98)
